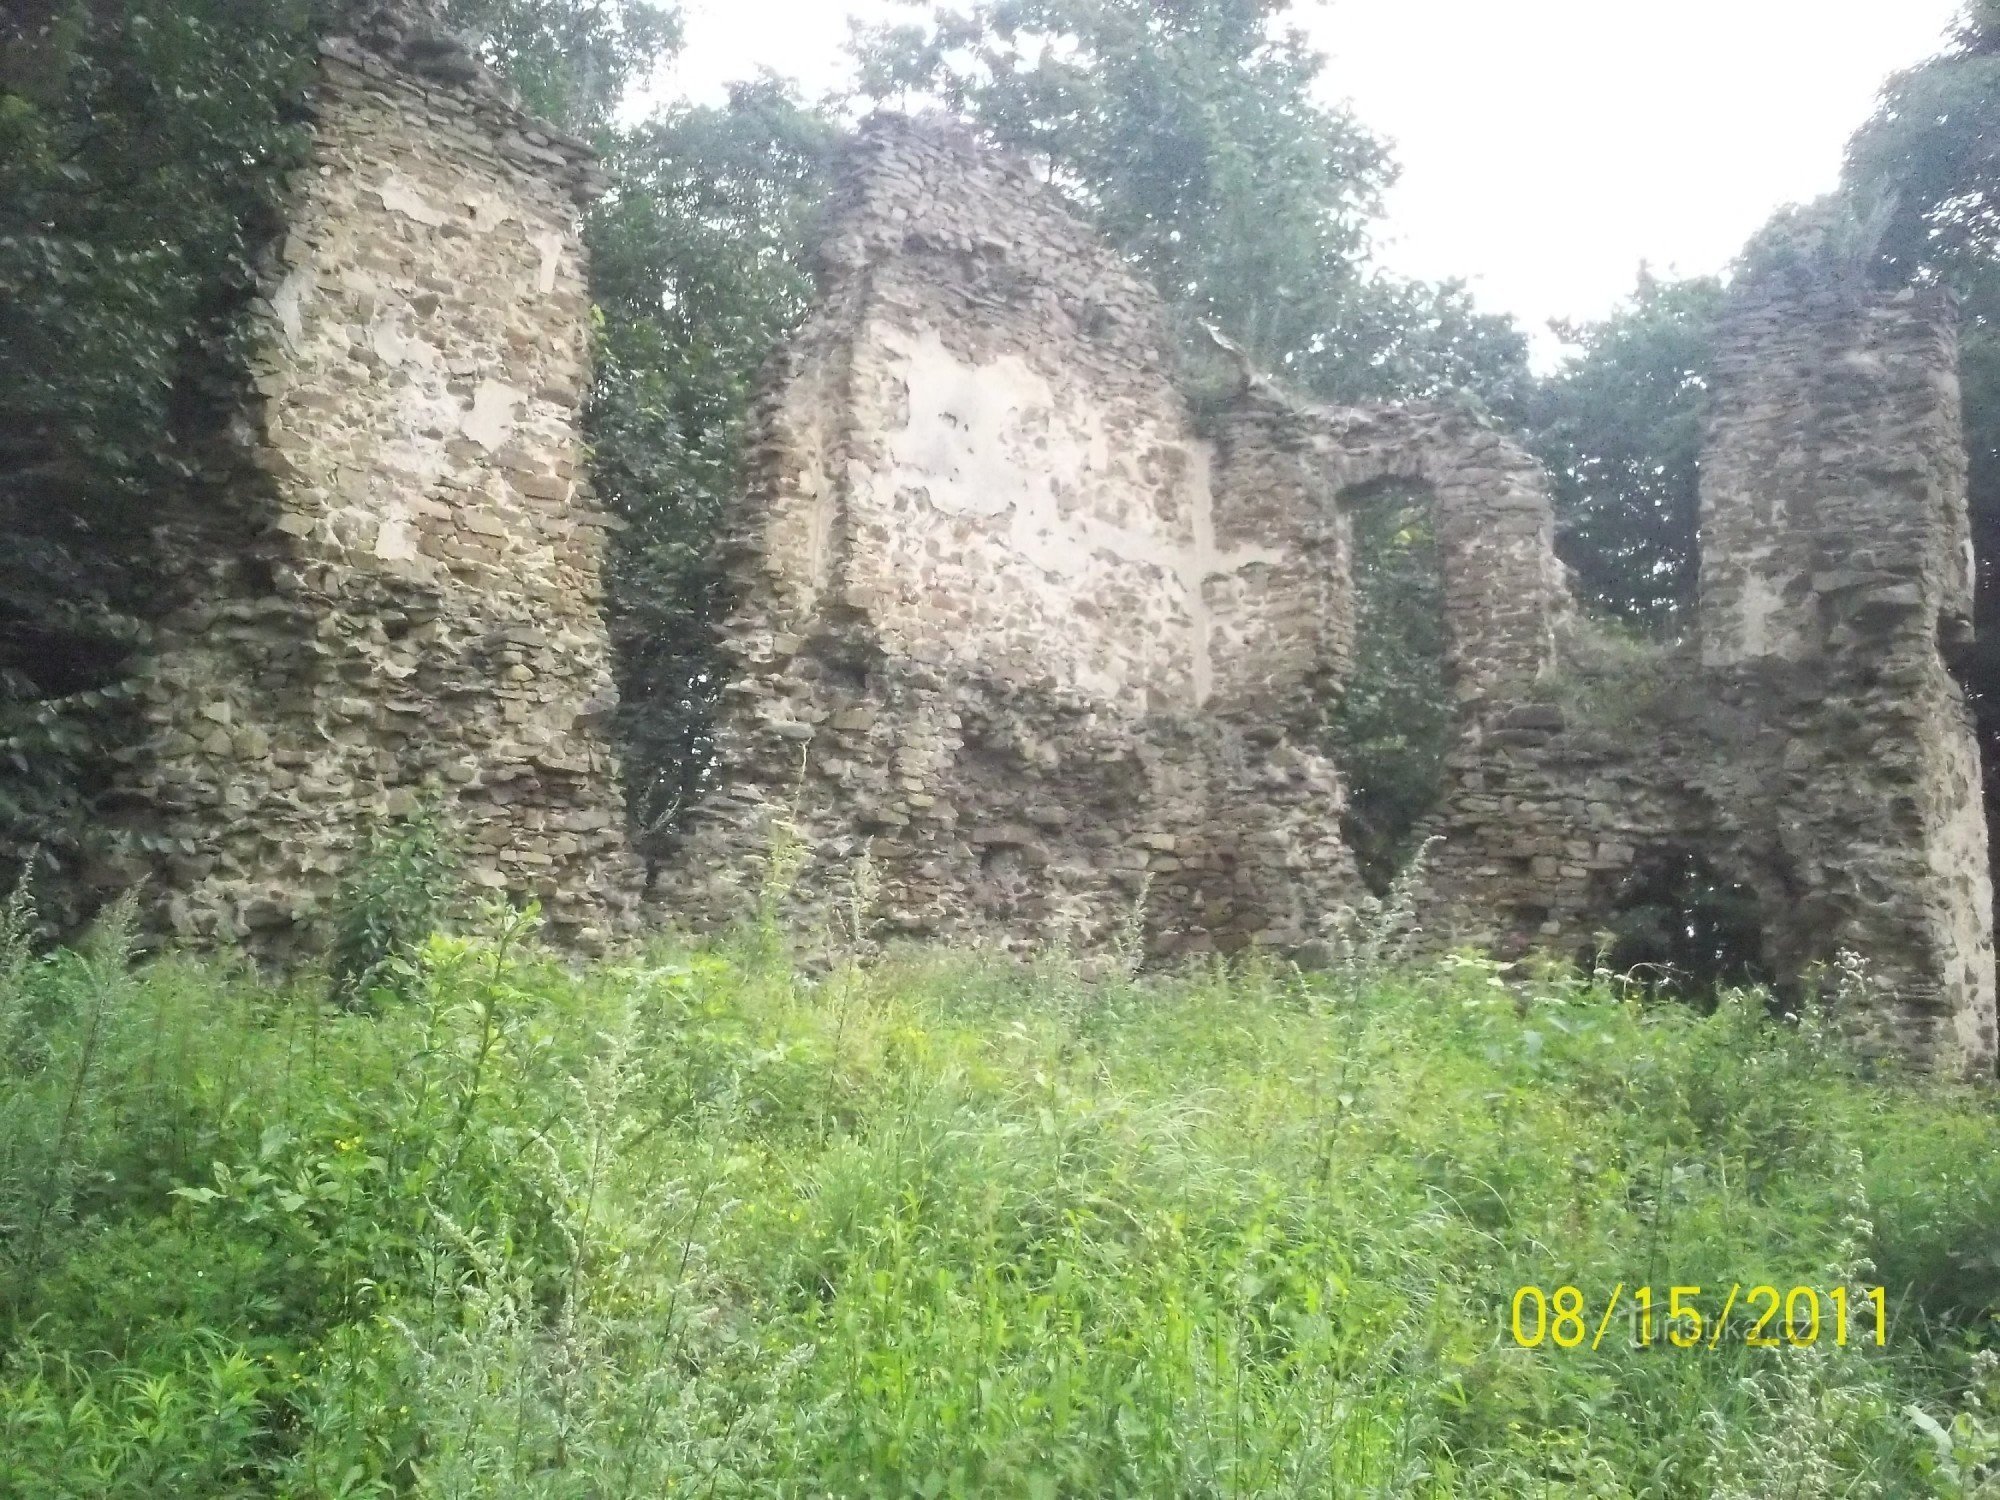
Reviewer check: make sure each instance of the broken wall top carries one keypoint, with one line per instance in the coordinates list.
(410, 43)
(976, 453)
(1833, 489)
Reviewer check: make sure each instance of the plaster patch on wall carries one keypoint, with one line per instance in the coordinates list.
(550, 246)
(487, 211)
(400, 197)
(972, 635)
(393, 542)
(1761, 623)
(1036, 473)
(288, 302)
(495, 409)
(398, 346)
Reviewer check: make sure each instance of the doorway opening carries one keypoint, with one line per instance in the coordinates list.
(1395, 720)
(1684, 929)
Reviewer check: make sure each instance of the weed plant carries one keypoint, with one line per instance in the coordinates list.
(695, 1225)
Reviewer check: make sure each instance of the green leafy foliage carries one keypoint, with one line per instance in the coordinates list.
(572, 61)
(697, 267)
(1193, 134)
(143, 151)
(1395, 719)
(1926, 167)
(1621, 430)
(394, 896)
(695, 1225)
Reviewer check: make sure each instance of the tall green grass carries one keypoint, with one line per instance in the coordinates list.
(695, 1225)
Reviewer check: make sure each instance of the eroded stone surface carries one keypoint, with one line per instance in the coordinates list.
(1017, 647)
(1020, 650)
(406, 606)
(1810, 744)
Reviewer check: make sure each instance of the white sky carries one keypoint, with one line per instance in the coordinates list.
(1547, 146)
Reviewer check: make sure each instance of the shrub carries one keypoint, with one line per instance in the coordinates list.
(396, 893)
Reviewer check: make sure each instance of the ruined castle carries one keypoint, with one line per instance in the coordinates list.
(1022, 647)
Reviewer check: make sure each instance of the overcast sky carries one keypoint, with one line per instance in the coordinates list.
(1547, 146)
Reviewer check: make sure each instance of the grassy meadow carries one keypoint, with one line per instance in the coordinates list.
(696, 1224)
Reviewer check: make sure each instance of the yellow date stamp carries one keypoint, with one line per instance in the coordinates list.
(1761, 1316)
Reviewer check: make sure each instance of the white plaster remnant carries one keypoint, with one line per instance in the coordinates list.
(495, 410)
(393, 542)
(487, 211)
(550, 244)
(288, 304)
(996, 442)
(990, 679)
(399, 197)
(388, 339)
(1759, 621)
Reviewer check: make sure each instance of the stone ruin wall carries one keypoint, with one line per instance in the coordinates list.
(402, 603)
(1809, 744)
(1021, 649)
(1847, 771)
(1007, 631)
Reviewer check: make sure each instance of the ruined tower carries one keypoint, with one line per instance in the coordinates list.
(1808, 746)
(1836, 581)
(399, 603)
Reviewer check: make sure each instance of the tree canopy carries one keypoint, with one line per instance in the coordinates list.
(697, 269)
(1193, 133)
(143, 151)
(1620, 428)
(572, 61)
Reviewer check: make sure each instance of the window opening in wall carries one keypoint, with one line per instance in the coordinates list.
(1395, 719)
(1684, 929)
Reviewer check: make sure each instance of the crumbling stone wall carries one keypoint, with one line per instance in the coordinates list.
(1001, 647)
(1810, 744)
(1837, 574)
(402, 602)
(1019, 651)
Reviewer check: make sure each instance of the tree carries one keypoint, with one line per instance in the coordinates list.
(143, 151)
(1395, 718)
(1926, 165)
(1620, 429)
(573, 61)
(697, 267)
(1189, 131)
